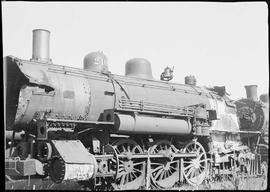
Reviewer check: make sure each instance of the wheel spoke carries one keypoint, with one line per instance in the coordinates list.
(200, 169)
(122, 180)
(173, 168)
(167, 174)
(156, 169)
(202, 166)
(135, 150)
(189, 171)
(189, 162)
(200, 156)
(162, 174)
(193, 173)
(194, 148)
(127, 178)
(117, 150)
(187, 167)
(134, 175)
(113, 160)
(170, 171)
(172, 162)
(197, 172)
(139, 163)
(159, 164)
(121, 169)
(128, 148)
(158, 173)
(123, 148)
(137, 170)
(202, 161)
(130, 176)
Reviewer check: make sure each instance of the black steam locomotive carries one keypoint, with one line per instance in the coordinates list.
(126, 132)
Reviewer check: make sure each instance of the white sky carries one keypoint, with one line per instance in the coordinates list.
(219, 43)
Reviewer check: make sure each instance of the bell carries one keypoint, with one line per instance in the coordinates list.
(167, 75)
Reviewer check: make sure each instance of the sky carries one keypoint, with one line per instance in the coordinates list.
(221, 44)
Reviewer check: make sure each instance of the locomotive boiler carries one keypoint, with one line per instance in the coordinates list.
(126, 132)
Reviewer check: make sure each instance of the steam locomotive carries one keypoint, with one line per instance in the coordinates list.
(126, 132)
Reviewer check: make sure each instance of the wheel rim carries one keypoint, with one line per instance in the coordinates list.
(195, 169)
(164, 171)
(131, 172)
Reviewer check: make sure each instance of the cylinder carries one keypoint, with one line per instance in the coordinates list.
(190, 80)
(138, 67)
(41, 45)
(151, 125)
(251, 92)
(264, 98)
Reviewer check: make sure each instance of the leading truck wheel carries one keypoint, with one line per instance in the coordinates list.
(195, 169)
(131, 172)
(164, 171)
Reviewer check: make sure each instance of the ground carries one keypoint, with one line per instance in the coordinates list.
(45, 184)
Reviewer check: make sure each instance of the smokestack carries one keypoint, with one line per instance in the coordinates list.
(41, 45)
(251, 91)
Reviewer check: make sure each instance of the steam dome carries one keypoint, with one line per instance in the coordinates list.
(95, 61)
(139, 67)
